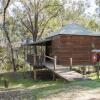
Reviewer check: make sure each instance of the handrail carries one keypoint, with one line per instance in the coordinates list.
(50, 57)
(54, 59)
(35, 54)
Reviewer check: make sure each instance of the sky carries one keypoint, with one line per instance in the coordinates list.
(92, 6)
(91, 9)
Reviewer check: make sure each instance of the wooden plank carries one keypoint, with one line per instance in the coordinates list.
(64, 72)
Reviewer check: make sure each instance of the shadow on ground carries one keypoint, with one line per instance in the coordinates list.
(28, 88)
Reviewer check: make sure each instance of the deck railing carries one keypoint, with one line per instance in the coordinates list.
(54, 59)
(31, 58)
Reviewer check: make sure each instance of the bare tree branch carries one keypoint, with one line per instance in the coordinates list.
(5, 9)
(26, 26)
(4, 22)
(54, 15)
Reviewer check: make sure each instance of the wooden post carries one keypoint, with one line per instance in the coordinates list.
(34, 59)
(97, 71)
(71, 63)
(35, 77)
(27, 49)
(55, 62)
(34, 69)
(41, 54)
(54, 76)
(44, 58)
(83, 70)
(30, 49)
(39, 58)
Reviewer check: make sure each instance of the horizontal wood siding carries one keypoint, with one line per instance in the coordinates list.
(77, 47)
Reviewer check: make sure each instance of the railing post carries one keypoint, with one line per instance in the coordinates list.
(71, 63)
(44, 58)
(34, 59)
(30, 49)
(55, 62)
(35, 77)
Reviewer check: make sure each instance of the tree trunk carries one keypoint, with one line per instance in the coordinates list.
(35, 51)
(13, 60)
(7, 35)
(11, 51)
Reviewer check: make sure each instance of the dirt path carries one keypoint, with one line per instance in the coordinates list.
(20, 94)
(70, 93)
(76, 93)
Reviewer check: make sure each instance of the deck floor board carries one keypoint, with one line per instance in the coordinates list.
(64, 72)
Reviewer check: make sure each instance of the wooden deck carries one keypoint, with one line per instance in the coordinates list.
(64, 72)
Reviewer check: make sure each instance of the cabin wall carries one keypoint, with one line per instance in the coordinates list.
(74, 46)
(55, 47)
(81, 49)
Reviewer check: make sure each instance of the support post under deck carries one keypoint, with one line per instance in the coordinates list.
(35, 77)
(55, 63)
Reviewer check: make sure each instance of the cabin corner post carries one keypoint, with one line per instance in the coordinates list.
(71, 63)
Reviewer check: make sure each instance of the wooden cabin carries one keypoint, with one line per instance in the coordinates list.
(71, 41)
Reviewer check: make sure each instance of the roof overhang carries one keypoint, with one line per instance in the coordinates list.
(39, 43)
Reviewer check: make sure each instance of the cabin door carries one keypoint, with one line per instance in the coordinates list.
(49, 48)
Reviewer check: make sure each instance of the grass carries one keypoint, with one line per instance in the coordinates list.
(41, 89)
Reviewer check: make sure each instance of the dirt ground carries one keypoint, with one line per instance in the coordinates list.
(76, 93)
(72, 93)
(28, 89)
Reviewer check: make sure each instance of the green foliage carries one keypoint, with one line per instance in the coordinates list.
(93, 25)
(7, 66)
(2, 50)
(52, 6)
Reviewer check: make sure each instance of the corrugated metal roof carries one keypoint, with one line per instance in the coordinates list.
(74, 29)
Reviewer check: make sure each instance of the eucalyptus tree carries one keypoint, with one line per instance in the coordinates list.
(8, 28)
(36, 16)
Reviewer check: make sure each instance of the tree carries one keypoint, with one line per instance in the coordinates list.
(38, 14)
(6, 33)
(93, 25)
